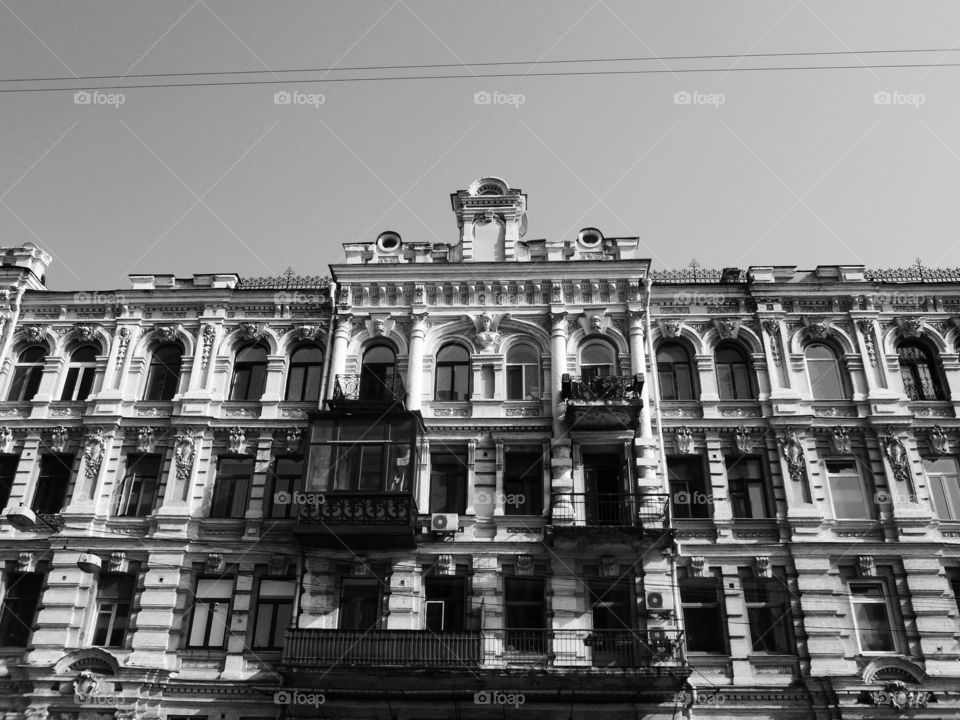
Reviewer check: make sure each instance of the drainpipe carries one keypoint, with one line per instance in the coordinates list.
(665, 484)
(328, 350)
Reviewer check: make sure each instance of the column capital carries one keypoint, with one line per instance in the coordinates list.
(558, 318)
(344, 326)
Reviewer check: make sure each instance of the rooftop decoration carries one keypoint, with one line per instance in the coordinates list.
(289, 279)
(918, 272)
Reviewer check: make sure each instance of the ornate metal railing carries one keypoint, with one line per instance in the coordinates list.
(483, 649)
(357, 508)
(917, 273)
(922, 390)
(604, 387)
(619, 509)
(289, 280)
(369, 387)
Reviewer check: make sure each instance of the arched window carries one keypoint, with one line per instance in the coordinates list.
(303, 378)
(163, 378)
(597, 359)
(523, 373)
(921, 379)
(80, 372)
(823, 368)
(249, 373)
(27, 373)
(378, 373)
(453, 374)
(675, 372)
(734, 377)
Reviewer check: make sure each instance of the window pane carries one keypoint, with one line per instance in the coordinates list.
(532, 381)
(725, 384)
(515, 383)
(873, 622)
(522, 354)
(597, 353)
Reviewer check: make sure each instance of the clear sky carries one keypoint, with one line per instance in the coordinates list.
(785, 167)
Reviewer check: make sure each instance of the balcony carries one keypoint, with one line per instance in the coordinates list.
(357, 520)
(484, 649)
(367, 390)
(614, 511)
(602, 401)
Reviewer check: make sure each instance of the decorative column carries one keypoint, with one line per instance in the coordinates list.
(418, 331)
(338, 358)
(773, 349)
(161, 610)
(645, 445)
(561, 462)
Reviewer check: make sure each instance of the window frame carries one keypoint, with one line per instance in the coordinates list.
(270, 489)
(593, 369)
(125, 601)
(763, 481)
(522, 372)
(12, 578)
(911, 372)
(778, 582)
(520, 484)
(161, 376)
(311, 372)
(273, 603)
(247, 370)
(130, 480)
(735, 392)
(211, 615)
(455, 458)
(11, 460)
(65, 461)
(691, 461)
(378, 596)
(843, 376)
(453, 365)
(668, 371)
(939, 478)
(80, 376)
(869, 507)
(26, 376)
(378, 380)
(887, 604)
(718, 603)
(234, 498)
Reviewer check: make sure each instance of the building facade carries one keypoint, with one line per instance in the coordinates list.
(500, 475)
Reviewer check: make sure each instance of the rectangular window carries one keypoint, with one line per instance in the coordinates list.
(138, 490)
(944, 479)
(522, 483)
(19, 608)
(445, 604)
(872, 616)
(748, 487)
(78, 384)
(211, 613)
(523, 382)
(231, 487)
(51, 492)
(114, 600)
(453, 383)
(8, 473)
(610, 604)
(847, 490)
(356, 455)
(448, 482)
(274, 612)
(525, 615)
(953, 576)
(283, 480)
(688, 488)
(703, 616)
(606, 479)
(768, 611)
(359, 604)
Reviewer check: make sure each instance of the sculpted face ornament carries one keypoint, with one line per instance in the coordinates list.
(33, 332)
(378, 327)
(596, 322)
(793, 454)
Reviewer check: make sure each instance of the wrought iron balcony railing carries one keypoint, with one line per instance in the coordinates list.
(483, 649)
(357, 508)
(604, 387)
(369, 387)
(619, 510)
(920, 390)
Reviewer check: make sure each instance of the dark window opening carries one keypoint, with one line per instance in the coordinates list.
(675, 372)
(80, 372)
(274, 613)
(51, 492)
(231, 487)
(446, 604)
(249, 373)
(703, 617)
(688, 489)
(27, 374)
(748, 487)
(138, 489)
(448, 482)
(303, 378)
(20, 608)
(522, 483)
(453, 374)
(360, 604)
(114, 601)
(525, 615)
(163, 378)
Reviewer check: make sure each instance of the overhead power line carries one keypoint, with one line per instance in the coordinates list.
(387, 78)
(359, 68)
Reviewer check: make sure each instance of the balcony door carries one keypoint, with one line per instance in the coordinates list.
(378, 373)
(606, 481)
(614, 640)
(359, 604)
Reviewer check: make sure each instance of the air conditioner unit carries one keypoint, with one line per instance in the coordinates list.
(444, 522)
(654, 601)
